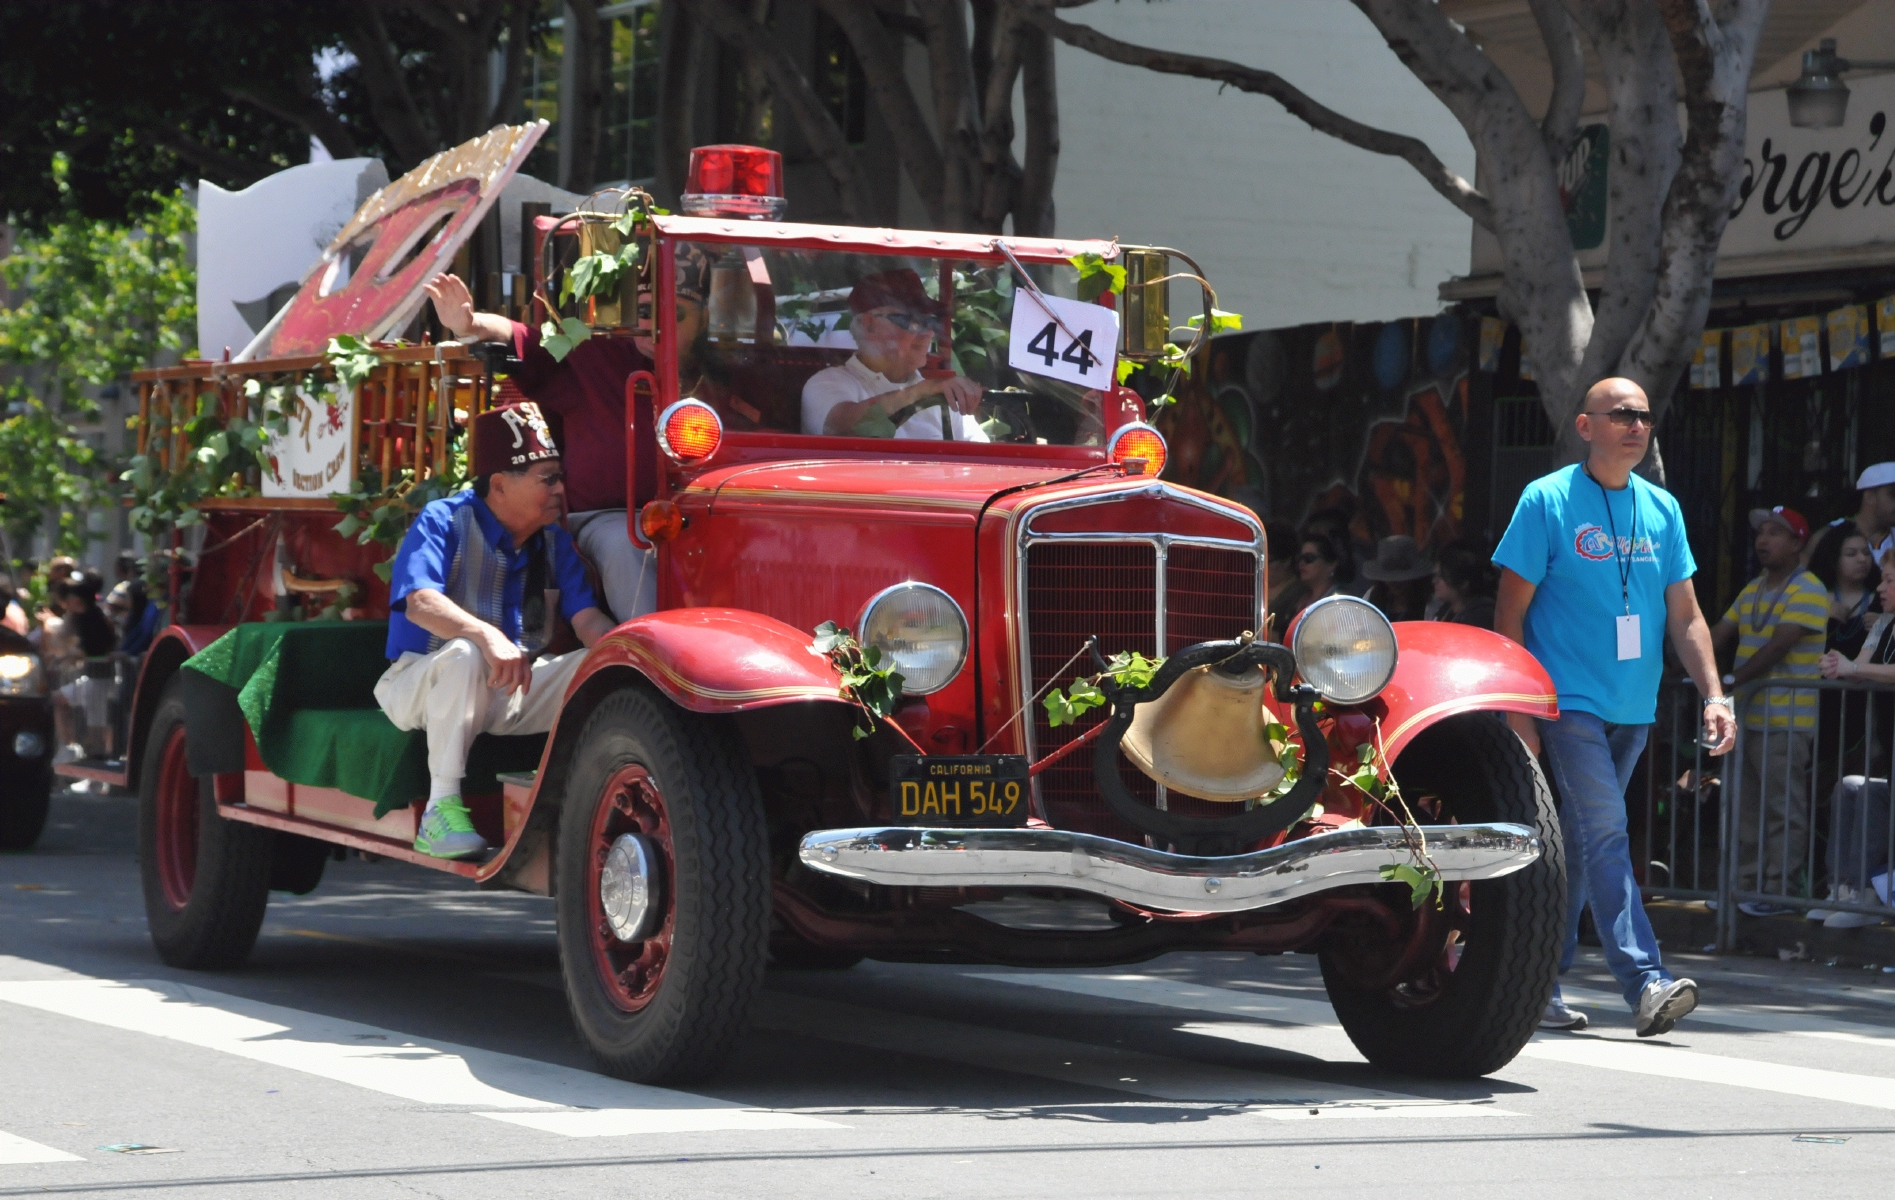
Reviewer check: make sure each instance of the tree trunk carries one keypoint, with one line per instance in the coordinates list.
(587, 55)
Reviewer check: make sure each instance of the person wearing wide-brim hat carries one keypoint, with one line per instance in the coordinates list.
(1398, 569)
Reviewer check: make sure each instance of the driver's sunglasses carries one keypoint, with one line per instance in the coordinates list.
(1625, 416)
(908, 322)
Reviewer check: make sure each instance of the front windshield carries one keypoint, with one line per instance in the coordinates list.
(841, 344)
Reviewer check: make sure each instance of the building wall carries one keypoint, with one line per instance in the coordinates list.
(1291, 225)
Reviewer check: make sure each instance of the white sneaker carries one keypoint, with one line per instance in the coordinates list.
(1850, 920)
(1823, 914)
(1661, 1004)
(1559, 1016)
(1763, 908)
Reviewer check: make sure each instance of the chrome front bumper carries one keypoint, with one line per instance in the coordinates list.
(1052, 858)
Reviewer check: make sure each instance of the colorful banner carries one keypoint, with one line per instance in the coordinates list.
(1750, 355)
(1885, 321)
(1848, 337)
(1801, 338)
(1707, 361)
(1493, 335)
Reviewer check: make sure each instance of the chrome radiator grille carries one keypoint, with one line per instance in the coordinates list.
(1075, 589)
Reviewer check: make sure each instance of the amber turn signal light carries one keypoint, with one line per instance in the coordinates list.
(690, 431)
(1139, 448)
(660, 521)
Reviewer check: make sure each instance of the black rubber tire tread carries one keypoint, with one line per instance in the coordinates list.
(297, 862)
(218, 926)
(721, 890)
(23, 808)
(1482, 772)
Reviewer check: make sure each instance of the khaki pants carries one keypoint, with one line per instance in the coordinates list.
(1773, 798)
(446, 693)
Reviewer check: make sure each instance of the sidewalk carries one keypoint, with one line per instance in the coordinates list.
(1688, 926)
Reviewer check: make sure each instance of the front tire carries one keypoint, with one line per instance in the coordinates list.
(667, 1006)
(1465, 992)
(23, 807)
(206, 879)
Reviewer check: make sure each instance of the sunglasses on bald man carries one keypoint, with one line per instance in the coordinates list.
(1625, 416)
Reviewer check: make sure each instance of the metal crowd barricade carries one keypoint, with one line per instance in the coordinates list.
(1772, 821)
(1788, 802)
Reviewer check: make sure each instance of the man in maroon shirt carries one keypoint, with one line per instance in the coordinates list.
(587, 389)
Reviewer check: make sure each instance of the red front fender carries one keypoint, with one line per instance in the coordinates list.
(1444, 669)
(717, 660)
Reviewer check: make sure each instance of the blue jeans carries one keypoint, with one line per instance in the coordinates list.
(1591, 763)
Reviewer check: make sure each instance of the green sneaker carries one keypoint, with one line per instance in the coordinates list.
(447, 831)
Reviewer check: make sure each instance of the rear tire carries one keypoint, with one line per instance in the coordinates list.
(23, 807)
(1474, 996)
(668, 1007)
(206, 879)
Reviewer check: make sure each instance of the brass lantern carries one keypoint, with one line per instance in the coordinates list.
(1147, 324)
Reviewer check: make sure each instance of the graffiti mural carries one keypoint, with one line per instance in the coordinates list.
(1369, 423)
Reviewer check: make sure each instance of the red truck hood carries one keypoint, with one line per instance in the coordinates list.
(919, 484)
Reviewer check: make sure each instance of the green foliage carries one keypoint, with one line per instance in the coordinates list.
(352, 359)
(217, 454)
(1422, 881)
(1096, 277)
(558, 340)
(980, 333)
(95, 300)
(1221, 321)
(1374, 780)
(381, 513)
(874, 687)
(1128, 669)
(598, 274)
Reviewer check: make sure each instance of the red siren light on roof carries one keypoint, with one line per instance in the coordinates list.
(735, 181)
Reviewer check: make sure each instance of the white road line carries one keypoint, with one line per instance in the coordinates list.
(1614, 1053)
(1093, 1065)
(1764, 1018)
(15, 1150)
(390, 1062)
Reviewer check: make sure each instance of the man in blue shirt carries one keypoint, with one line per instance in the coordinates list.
(471, 596)
(1594, 570)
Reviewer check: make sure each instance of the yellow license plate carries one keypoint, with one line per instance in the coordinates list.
(959, 789)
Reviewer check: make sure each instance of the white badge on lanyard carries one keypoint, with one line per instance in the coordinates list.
(1630, 645)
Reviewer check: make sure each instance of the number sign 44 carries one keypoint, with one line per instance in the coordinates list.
(1082, 352)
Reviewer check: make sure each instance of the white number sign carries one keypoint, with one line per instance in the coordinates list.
(1079, 346)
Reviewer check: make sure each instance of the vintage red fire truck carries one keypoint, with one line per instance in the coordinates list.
(714, 798)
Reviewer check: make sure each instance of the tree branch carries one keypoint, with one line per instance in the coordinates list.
(587, 53)
(1715, 59)
(881, 57)
(806, 108)
(212, 161)
(1634, 54)
(1567, 54)
(1033, 211)
(386, 84)
(305, 111)
(513, 69)
(1000, 171)
(1413, 151)
(950, 74)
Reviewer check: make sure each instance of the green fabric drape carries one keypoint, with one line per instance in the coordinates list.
(307, 691)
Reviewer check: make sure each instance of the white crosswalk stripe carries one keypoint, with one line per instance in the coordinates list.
(17, 1150)
(539, 1095)
(1615, 1051)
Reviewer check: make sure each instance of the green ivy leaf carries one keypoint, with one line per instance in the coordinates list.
(1364, 753)
(1124, 369)
(1221, 321)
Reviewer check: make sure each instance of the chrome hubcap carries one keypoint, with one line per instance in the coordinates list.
(628, 885)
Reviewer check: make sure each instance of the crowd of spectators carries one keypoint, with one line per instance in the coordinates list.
(1404, 581)
(86, 634)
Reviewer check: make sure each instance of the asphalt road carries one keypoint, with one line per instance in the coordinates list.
(397, 1034)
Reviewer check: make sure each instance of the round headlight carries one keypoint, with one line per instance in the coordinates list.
(1345, 649)
(922, 629)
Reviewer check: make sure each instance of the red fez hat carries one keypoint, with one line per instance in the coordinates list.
(514, 437)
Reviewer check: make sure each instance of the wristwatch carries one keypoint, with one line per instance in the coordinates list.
(1721, 701)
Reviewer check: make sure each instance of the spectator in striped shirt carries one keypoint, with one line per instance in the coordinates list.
(1777, 624)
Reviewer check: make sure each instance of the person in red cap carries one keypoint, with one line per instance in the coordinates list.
(587, 389)
(1777, 624)
(880, 391)
(471, 601)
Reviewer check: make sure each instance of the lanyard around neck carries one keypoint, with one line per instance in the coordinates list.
(1623, 561)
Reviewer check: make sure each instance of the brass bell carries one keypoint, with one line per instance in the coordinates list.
(1205, 737)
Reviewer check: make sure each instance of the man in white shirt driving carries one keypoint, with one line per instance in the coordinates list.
(880, 391)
